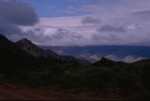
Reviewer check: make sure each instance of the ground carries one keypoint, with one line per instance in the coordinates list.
(10, 92)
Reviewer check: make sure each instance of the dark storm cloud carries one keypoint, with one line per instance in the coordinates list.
(17, 13)
(91, 20)
(110, 28)
(13, 14)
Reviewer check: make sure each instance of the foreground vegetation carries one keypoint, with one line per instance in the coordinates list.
(103, 78)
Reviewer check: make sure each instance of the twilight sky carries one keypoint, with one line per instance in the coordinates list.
(77, 22)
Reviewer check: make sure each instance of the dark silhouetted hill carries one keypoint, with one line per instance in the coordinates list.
(24, 48)
(108, 63)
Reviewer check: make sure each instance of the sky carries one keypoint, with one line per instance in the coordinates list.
(77, 22)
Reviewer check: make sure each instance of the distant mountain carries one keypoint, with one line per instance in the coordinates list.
(94, 53)
(34, 50)
(24, 48)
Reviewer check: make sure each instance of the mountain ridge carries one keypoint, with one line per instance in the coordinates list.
(25, 48)
(95, 52)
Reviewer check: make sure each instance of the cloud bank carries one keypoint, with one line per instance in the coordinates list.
(91, 22)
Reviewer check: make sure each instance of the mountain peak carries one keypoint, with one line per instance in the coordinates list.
(24, 41)
(28, 46)
(104, 59)
(33, 49)
(4, 42)
(107, 62)
(8, 47)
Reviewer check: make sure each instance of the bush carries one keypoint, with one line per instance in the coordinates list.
(97, 78)
(146, 76)
(39, 78)
(127, 83)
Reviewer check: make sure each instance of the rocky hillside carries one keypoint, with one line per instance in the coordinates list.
(34, 50)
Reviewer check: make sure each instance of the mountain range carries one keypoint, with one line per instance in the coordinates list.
(25, 48)
(86, 54)
(94, 53)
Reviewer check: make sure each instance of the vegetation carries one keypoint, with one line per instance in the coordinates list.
(126, 80)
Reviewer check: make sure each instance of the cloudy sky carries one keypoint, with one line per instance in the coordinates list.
(77, 22)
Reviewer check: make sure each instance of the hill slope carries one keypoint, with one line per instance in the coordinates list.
(34, 50)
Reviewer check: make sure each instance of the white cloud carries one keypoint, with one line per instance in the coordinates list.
(60, 21)
(126, 59)
(76, 33)
(128, 20)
